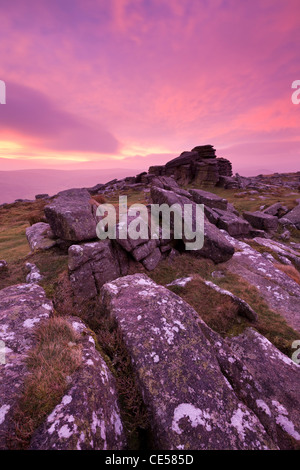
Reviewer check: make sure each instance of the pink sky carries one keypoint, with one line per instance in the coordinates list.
(130, 83)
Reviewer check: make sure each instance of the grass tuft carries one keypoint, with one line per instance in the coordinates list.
(55, 357)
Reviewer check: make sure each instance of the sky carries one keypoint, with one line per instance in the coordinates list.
(133, 83)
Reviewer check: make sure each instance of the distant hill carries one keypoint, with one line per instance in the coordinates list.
(25, 184)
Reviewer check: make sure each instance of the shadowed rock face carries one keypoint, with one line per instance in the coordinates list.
(215, 245)
(70, 215)
(176, 358)
(21, 308)
(88, 416)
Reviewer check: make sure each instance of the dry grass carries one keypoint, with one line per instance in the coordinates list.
(218, 312)
(289, 270)
(56, 356)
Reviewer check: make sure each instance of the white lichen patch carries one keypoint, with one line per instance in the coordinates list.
(116, 422)
(263, 406)
(30, 322)
(3, 412)
(242, 421)
(288, 426)
(196, 416)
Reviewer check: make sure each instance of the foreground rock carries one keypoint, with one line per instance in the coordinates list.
(21, 308)
(268, 382)
(39, 236)
(88, 416)
(71, 215)
(190, 401)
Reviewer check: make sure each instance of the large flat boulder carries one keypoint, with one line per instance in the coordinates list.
(190, 401)
(261, 220)
(22, 307)
(88, 416)
(71, 215)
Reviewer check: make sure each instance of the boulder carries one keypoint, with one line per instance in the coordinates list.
(39, 236)
(261, 220)
(93, 264)
(190, 402)
(21, 308)
(71, 215)
(234, 225)
(215, 245)
(34, 276)
(294, 216)
(276, 209)
(88, 416)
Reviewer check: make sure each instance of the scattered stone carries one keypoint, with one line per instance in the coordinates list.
(181, 282)
(286, 235)
(39, 236)
(71, 215)
(41, 196)
(34, 276)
